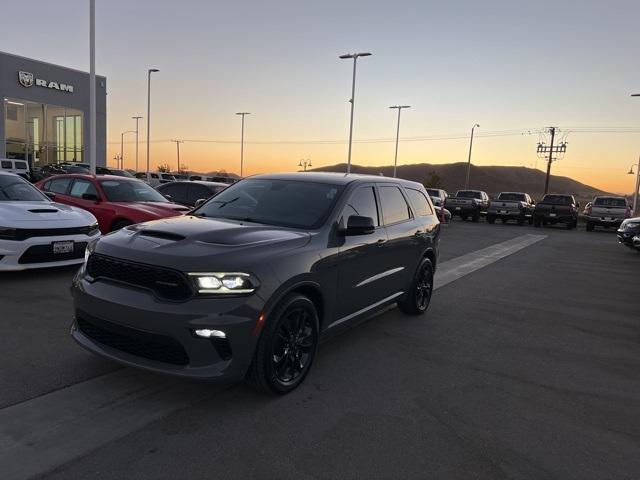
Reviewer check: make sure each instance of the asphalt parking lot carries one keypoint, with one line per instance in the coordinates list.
(527, 368)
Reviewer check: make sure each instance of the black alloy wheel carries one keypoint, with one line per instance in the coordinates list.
(287, 346)
(417, 299)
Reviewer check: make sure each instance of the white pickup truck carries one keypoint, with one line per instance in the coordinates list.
(606, 212)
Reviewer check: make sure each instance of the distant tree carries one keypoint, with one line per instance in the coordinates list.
(164, 168)
(432, 180)
(184, 168)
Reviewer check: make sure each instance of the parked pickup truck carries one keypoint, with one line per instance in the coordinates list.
(511, 206)
(555, 208)
(468, 203)
(606, 212)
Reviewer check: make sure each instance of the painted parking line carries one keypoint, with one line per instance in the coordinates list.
(43, 433)
(458, 267)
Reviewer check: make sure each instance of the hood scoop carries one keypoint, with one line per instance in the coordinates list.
(160, 234)
(44, 210)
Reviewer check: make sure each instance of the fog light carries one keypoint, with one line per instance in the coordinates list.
(207, 333)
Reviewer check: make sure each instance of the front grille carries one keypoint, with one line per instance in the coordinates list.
(44, 254)
(25, 233)
(165, 283)
(135, 342)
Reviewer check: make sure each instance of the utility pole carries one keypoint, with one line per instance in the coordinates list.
(242, 114)
(304, 164)
(466, 182)
(551, 150)
(395, 161)
(178, 142)
(93, 161)
(136, 119)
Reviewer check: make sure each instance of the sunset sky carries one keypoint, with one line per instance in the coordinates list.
(514, 67)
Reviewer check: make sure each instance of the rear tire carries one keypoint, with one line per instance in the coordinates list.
(418, 297)
(464, 217)
(287, 346)
(491, 219)
(475, 218)
(536, 222)
(590, 227)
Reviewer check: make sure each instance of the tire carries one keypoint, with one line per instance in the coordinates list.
(504, 221)
(536, 222)
(590, 227)
(291, 332)
(521, 221)
(418, 297)
(491, 219)
(464, 217)
(475, 218)
(531, 220)
(120, 224)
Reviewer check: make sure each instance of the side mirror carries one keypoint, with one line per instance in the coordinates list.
(168, 197)
(90, 196)
(51, 195)
(200, 202)
(358, 225)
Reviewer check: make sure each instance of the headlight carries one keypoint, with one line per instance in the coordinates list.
(224, 283)
(626, 224)
(93, 229)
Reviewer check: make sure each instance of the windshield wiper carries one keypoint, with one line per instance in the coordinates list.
(222, 204)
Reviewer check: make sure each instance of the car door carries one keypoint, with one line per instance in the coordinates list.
(80, 187)
(359, 258)
(405, 247)
(60, 186)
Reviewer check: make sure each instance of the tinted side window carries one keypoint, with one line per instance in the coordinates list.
(141, 175)
(80, 187)
(21, 165)
(394, 206)
(179, 192)
(6, 164)
(59, 185)
(196, 192)
(363, 203)
(419, 202)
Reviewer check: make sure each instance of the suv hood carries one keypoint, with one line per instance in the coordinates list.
(43, 215)
(190, 243)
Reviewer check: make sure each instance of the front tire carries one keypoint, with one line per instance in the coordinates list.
(287, 346)
(417, 299)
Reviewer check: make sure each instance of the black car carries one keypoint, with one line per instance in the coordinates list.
(246, 285)
(629, 229)
(188, 193)
(556, 208)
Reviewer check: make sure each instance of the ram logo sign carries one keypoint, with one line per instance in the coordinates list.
(26, 79)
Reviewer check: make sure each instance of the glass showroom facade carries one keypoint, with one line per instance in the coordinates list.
(45, 112)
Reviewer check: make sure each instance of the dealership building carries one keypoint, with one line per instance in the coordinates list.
(45, 112)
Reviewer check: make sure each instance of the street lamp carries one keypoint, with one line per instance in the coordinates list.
(92, 87)
(395, 162)
(466, 182)
(304, 164)
(352, 101)
(122, 145)
(136, 119)
(242, 114)
(635, 192)
(149, 72)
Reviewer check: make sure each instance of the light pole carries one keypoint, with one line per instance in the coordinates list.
(395, 162)
(352, 101)
(122, 146)
(466, 182)
(635, 192)
(242, 114)
(92, 87)
(304, 164)
(136, 119)
(149, 72)
(178, 142)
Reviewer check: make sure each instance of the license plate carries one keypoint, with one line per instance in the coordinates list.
(608, 218)
(62, 247)
(504, 212)
(458, 208)
(552, 214)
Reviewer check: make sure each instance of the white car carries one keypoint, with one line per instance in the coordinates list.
(36, 232)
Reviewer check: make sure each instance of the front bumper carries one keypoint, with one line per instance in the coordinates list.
(626, 237)
(133, 327)
(37, 252)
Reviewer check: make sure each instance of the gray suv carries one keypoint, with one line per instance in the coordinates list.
(247, 284)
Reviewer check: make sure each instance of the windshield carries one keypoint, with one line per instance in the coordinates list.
(610, 202)
(286, 203)
(468, 194)
(557, 199)
(130, 191)
(512, 197)
(15, 189)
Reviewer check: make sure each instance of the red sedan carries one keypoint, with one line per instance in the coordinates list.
(115, 201)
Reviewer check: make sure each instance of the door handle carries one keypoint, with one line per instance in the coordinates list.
(381, 242)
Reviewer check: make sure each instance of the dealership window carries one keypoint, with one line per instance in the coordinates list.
(41, 133)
